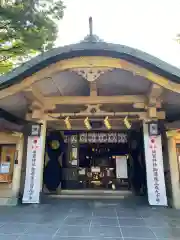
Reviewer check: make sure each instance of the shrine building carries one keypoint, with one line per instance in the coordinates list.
(90, 119)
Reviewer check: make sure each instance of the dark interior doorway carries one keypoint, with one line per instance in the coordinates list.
(99, 162)
(96, 162)
(137, 163)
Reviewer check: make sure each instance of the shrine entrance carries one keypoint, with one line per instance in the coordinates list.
(93, 160)
(86, 96)
(103, 160)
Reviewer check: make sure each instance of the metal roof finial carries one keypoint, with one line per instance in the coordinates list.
(91, 38)
(90, 26)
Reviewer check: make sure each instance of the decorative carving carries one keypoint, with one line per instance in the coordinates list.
(74, 139)
(83, 137)
(102, 137)
(91, 110)
(122, 138)
(112, 138)
(91, 74)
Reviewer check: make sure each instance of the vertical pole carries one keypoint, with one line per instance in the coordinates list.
(17, 168)
(90, 26)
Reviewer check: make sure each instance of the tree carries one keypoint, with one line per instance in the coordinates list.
(27, 27)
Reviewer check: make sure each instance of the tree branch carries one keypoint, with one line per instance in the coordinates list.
(9, 49)
(5, 58)
(4, 26)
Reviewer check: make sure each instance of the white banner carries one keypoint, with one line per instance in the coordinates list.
(33, 171)
(121, 167)
(154, 169)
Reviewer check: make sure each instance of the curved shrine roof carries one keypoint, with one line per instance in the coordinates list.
(91, 46)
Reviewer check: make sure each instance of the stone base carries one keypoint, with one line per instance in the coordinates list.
(8, 201)
(174, 205)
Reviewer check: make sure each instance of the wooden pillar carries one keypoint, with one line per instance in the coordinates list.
(43, 146)
(174, 173)
(16, 181)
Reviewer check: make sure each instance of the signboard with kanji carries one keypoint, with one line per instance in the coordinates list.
(33, 171)
(154, 169)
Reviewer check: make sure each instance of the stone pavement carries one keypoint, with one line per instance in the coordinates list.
(62, 219)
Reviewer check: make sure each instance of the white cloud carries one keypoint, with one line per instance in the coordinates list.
(149, 25)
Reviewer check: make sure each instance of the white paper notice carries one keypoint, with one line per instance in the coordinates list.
(74, 162)
(121, 167)
(4, 168)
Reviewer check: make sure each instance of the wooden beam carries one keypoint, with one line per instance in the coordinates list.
(172, 133)
(100, 118)
(38, 114)
(139, 105)
(93, 89)
(85, 100)
(75, 117)
(173, 125)
(38, 99)
(152, 112)
(155, 91)
(36, 105)
(154, 100)
(61, 127)
(121, 115)
(154, 94)
(37, 95)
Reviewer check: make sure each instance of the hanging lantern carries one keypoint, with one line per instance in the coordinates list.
(87, 123)
(68, 123)
(107, 123)
(127, 123)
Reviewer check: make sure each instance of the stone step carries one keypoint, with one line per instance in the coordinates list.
(89, 194)
(5, 193)
(6, 196)
(95, 192)
(74, 196)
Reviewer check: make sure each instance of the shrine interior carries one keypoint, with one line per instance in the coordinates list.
(97, 166)
(95, 161)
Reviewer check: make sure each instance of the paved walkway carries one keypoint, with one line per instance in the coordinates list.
(89, 220)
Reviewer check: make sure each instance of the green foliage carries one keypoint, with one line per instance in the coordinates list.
(27, 27)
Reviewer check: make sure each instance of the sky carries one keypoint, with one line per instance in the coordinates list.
(148, 25)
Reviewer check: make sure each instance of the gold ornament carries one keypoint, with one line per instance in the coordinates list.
(55, 144)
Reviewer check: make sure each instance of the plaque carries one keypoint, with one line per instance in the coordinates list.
(153, 129)
(35, 130)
